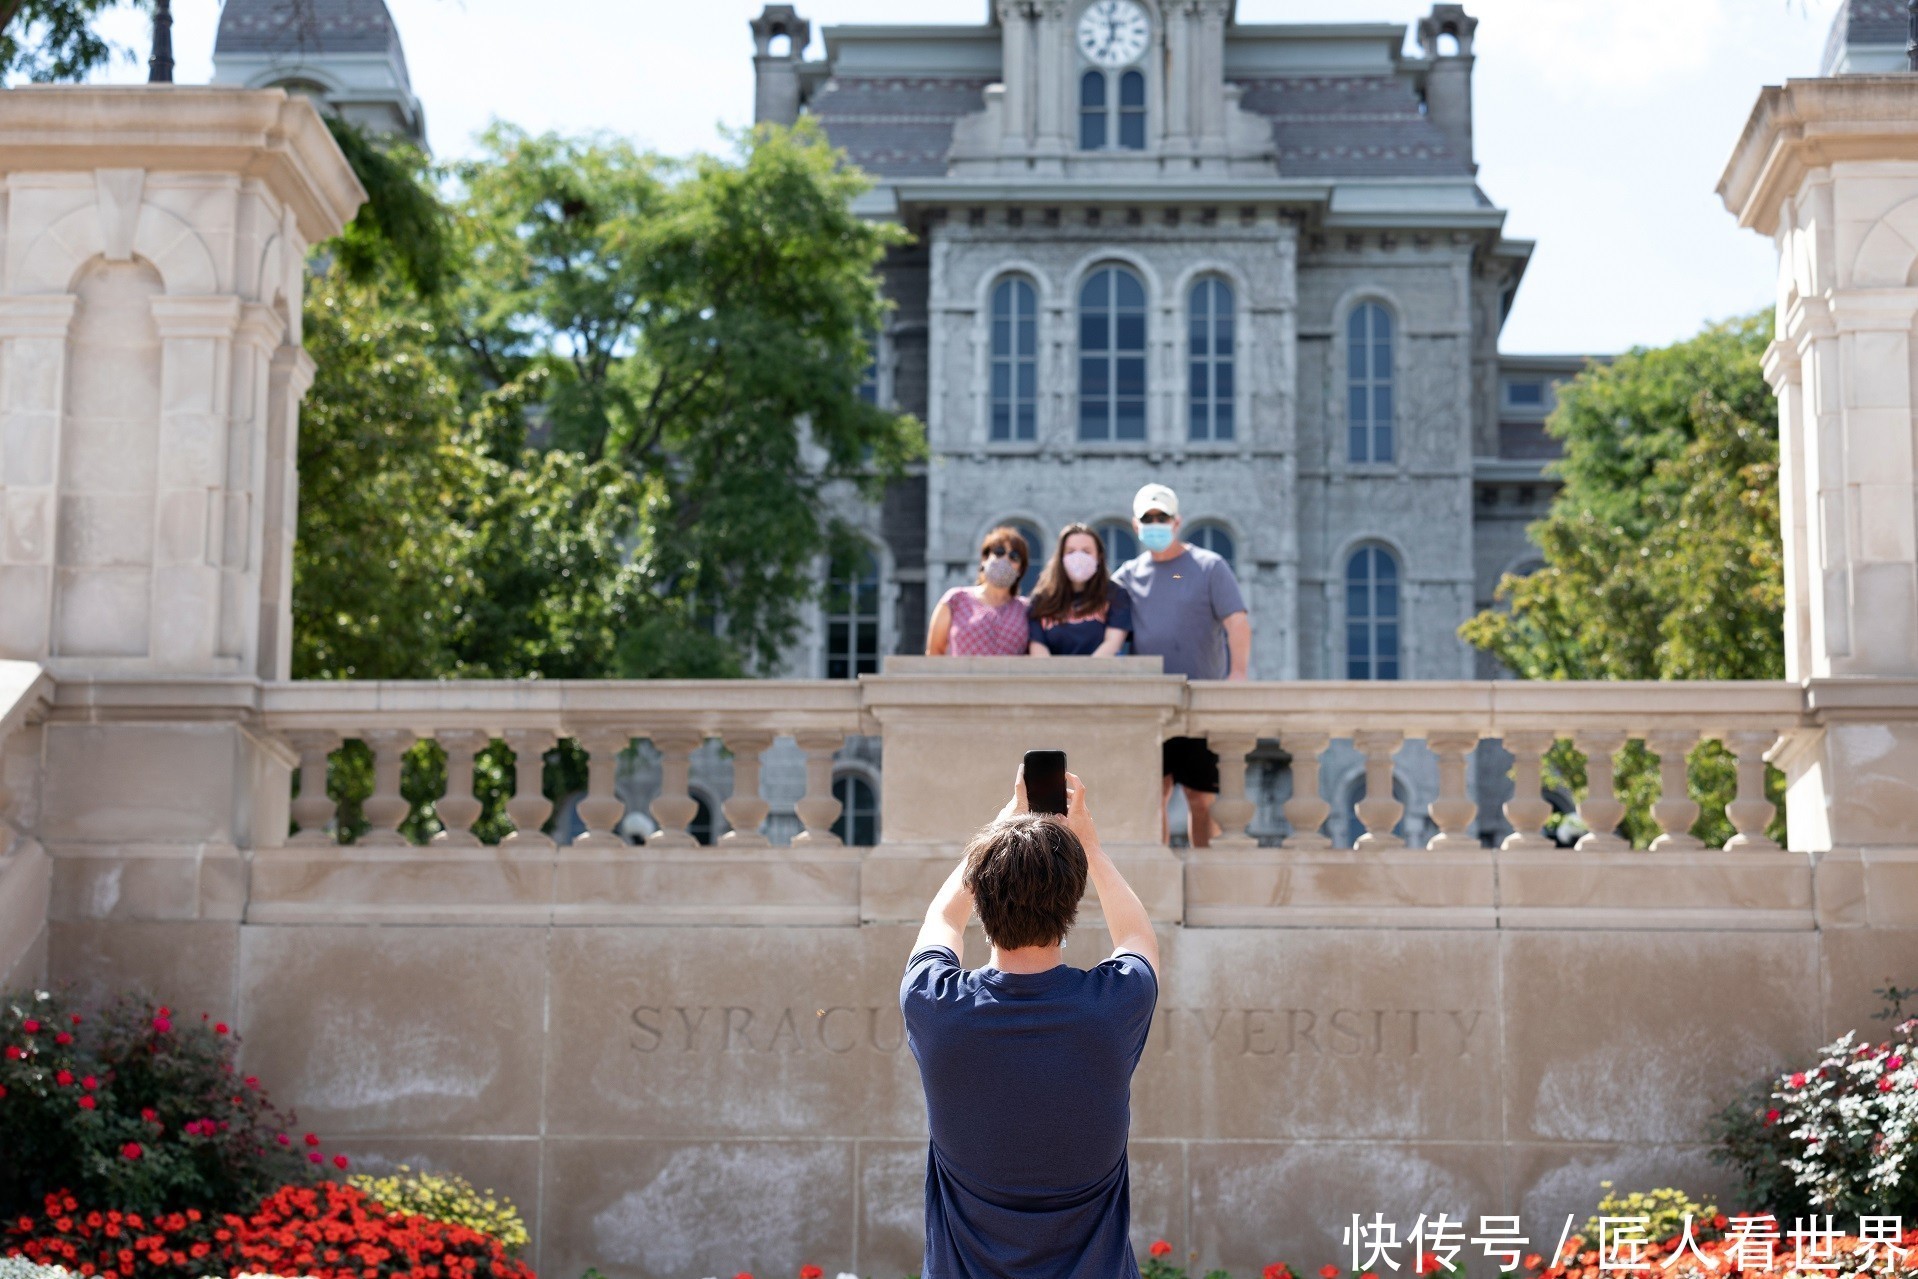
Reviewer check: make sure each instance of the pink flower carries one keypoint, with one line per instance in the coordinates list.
(1894, 1063)
(162, 1024)
(316, 1157)
(1797, 1079)
(283, 1139)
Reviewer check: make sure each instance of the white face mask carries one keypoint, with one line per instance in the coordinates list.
(1002, 571)
(1080, 565)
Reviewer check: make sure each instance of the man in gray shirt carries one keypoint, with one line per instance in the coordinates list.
(1186, 607)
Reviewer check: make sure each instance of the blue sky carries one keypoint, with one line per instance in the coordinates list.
(1602, 125)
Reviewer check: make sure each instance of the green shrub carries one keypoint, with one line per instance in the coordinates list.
(129, 1110)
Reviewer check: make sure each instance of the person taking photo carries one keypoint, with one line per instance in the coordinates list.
(1027, 1061)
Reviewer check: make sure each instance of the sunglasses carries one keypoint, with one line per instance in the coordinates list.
(1155, 517)
(996, 552)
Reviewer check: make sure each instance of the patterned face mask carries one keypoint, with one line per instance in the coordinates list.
(1002, 571)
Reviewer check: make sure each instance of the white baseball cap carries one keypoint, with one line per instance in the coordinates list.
(1155, 497)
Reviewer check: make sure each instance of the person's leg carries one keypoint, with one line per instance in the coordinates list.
(1200, 828)
(1165, 801)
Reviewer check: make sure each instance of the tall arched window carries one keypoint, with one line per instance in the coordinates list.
(1209, 386)
(1112, 356)
(852, 616)
(1096, 109)
(1132, 111)
(1372, 614)
(1368, 383)
(1092, 111)
(858, 824)
(1015, 360)
(1214, 539)
(1121, 545)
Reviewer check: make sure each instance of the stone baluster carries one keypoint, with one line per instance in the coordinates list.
(1750, 812)
(529, 808)
(1527, 809)
(1601, 810)
(1378, 811)
(313, 808)
(1232, 810)
(459, 807)
(818, 810)
(602, 808)
(1306, 811)
(675, 807)
(1675, 810)
(1452, 812)
(746, 810)
(386, 807)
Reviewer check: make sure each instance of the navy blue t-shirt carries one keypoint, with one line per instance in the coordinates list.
(1028, 1081)
(1082, 637)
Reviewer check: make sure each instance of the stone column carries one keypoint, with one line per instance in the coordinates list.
(150, 372)
(1829, 169)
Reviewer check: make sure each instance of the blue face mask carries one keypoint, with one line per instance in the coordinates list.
(1155, 537)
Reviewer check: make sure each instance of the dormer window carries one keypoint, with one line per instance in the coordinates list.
(1107, 97)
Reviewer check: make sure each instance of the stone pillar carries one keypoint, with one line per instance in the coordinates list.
(155, 242)
(1448, 81)
(1829, 169)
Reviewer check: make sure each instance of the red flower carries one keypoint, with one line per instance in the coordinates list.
(63, 1039)
(312, 1139)
(1533, 1260)
(810, 1271)
(31, 1026)
(252, 1081)
(87, 1103)
(63, 1077)
(162, 1024)
(1771, 1117)
(1884, 1085)
(339, 1161)
(16, 1053)
(219, 1028)
(89, 1083)
(1277, 1270)
(131, 1150)
(317, 1157)
(1328, 1271)
(3, 1092)
(1159, 1248)
(283, 1139)
(149, 1114)
(743, 1275)
(1894, 1063)
(1797, 1079)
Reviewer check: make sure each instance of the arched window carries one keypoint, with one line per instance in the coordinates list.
(1371, 614)
(1015, 360)
(1121, 545)
(1368, 383)
(858, 824)
(1092, 111)
(1132, 111)
(1214, 539)
(1112, 356)
(1036, 552)
(852, 616)
(1096, 109)
(1209, 387)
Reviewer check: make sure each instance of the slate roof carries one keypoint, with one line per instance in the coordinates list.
(307, 28)
(896, 126)
(1864, 22)
(1350, 126)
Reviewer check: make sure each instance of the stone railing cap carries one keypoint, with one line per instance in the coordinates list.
(262, 133)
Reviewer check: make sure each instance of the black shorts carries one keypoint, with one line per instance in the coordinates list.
(1190, 763)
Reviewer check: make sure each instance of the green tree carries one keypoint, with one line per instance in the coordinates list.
(50, 41)
(1662, 551)
(702, 325)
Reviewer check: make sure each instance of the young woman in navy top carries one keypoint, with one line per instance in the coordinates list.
(1076, 611)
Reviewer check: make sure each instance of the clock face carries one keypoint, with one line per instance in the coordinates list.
(1113, 32)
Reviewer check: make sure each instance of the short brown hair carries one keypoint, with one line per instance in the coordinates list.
(1026, 873)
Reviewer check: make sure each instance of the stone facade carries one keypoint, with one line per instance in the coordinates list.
(345, 54)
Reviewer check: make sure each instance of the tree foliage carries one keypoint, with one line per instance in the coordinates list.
(1663, 557)
(51, 41)
(586, 420)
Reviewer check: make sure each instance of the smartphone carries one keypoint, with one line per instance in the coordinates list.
(1046, 781)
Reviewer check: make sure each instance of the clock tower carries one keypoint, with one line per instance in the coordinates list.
(1112, 88)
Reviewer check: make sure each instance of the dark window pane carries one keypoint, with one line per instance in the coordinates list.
(1382, 444)
(1092, 130)
(1131, 424)
(1132, 89)
(1355, 406)
(1098, 291)
(1222, 335)
(1200, 382)
(1355, 444)
(1128, 291)
(1355, 335)
(1092, 90)
(1355, 361)
(1093, 373)
(1092, 420)
(1131, 375)
(1382, 403)
(1092, 331)
(1132, 130)
(1028, 380)
(1131, 336)
(1222, 380)
(1196, 342)
(1388, 639)
(1198, 427)
(1222, 428)
(1028, 338)
(1386, 596)
(1028, 425)
(1388, 668)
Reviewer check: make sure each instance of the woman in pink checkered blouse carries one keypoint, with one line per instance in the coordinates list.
(985, 619)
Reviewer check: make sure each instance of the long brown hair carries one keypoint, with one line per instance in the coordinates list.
(1057, 596)
(1015, 543)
